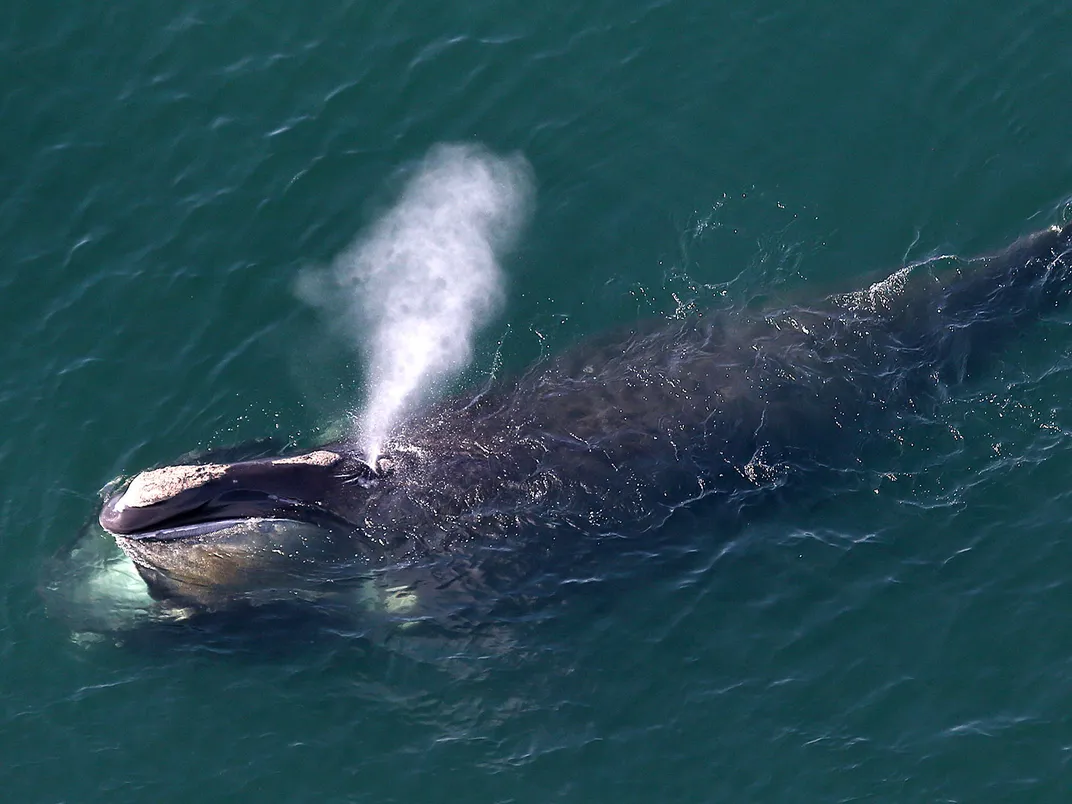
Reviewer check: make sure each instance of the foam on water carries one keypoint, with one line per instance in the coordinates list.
(424, 278)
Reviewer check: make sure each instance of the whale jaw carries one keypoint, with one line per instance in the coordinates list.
(209, 531)
(182, 501)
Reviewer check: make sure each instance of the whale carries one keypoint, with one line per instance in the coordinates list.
(720, 414)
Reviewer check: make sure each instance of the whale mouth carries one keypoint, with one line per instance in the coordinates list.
(197, 500)
(207, 528)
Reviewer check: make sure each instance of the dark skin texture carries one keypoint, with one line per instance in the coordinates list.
(611, 438)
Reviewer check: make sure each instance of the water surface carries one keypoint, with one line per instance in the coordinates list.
(170, 171)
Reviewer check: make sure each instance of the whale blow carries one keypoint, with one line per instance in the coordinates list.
(426, 277)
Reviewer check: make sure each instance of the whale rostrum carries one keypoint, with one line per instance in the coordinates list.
(722, 411)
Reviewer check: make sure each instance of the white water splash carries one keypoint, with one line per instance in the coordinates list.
(425, 277)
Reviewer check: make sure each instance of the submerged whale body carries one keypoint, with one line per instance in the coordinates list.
(608, 440)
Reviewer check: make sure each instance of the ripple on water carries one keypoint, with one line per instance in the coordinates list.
(170, 170)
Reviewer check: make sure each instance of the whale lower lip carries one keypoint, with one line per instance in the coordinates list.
(196, 530)
(202, 517)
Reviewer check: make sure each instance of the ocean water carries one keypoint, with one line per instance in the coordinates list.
(171, 170)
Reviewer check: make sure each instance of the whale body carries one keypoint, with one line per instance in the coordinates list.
(721, 412)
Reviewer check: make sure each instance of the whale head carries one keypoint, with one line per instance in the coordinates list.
(210, 531)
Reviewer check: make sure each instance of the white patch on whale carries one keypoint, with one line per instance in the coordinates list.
(320, 457)
(156, 485)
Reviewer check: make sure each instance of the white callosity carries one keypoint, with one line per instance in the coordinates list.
(156, 485)
(320, 457)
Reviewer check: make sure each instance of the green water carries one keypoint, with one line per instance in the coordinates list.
(169, 169)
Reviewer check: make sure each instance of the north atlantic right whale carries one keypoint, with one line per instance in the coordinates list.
(721, 412)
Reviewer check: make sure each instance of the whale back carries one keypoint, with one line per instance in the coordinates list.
(730, 406)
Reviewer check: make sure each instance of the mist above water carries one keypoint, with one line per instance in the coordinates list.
(425, 277)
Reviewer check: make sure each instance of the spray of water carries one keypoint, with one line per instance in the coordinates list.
(425, 277)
